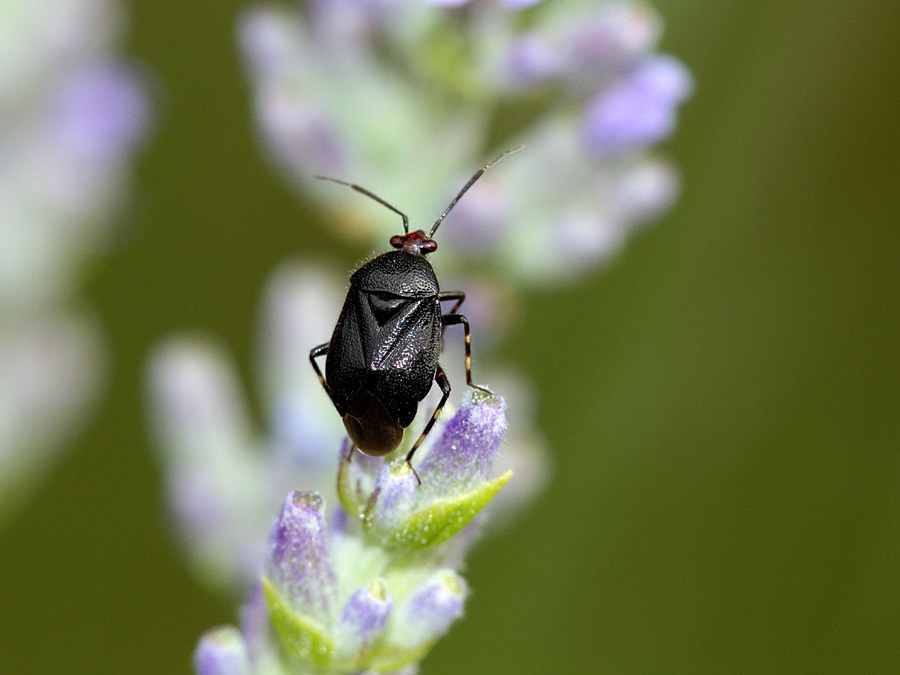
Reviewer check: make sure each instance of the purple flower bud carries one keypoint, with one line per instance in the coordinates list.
(397, 489)
(101, 112)
(437, 604)
(639, 110)
(221, 651)
(366, 613)
(300, 563)
(468, 447)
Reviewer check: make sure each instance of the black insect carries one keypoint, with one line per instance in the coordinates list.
(383, 354)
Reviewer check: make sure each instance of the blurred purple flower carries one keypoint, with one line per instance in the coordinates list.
(532, 60)
(640, 109)
(72, 111)
(101, 111)
(611, 38)
(512, 4)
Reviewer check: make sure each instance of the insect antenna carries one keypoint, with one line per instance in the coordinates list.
(378, 199)
(472, 180)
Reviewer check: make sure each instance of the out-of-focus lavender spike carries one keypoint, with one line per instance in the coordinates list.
(267, 42)
(468, 446)
(301, 301)
(512, 4)
(300, 561)
(221, 651)
(532, 60)
(100, 112)
(50, 369)
(645, 190)
(198, 399)
(609, 38)
(639, 110)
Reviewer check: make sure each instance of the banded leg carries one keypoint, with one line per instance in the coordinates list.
(452, 319)
(459, 296)
(441, 378)
(315, 353)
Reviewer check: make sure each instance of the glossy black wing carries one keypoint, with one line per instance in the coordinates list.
(404, 361)
(346, 364)
(386, 344)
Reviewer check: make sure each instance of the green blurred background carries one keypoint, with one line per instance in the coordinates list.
(722, 402)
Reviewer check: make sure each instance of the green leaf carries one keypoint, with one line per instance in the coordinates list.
(443, 518)
(301, 638)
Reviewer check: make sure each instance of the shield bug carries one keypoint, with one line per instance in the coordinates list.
(383, 354)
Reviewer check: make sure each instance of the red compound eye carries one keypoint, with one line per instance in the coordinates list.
(429, 246)
(397, 240)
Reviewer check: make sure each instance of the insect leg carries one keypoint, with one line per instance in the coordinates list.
(452, 319)
(441, 378)
(459, 296)
(314, 353)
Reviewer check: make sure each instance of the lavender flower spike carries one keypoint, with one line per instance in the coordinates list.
(374, 589)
